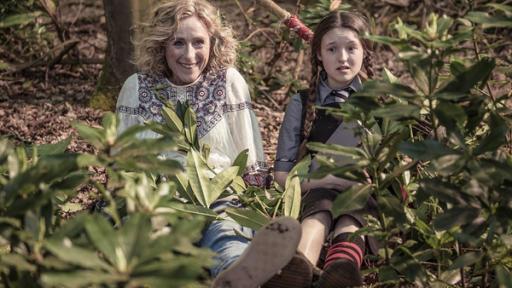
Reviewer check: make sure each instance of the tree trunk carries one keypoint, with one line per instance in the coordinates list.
(121, 16)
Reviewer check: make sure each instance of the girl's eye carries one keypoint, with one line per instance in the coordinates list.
(331, 49)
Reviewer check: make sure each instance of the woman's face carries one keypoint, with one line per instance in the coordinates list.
(188, 51)
(341, 54)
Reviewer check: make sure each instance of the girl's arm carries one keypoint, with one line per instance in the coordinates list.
(329, 182)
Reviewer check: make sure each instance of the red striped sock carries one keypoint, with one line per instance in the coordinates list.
(343, 248)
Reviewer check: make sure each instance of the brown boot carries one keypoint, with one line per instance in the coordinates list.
(272, 247)
(297, 274)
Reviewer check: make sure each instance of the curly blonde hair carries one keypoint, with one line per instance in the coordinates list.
(166, 17)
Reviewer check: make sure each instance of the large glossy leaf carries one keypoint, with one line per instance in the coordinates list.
(66, 251)
(95, 136)
(198, 180)
(51, 149)
(466, 259)
(445, 191)
(172, 119)
(504, 277)
(425, 150)
(102, 235)
(449, 164)
(191, 209)
(83, 278)
(334, 149)
(488, 21)
(248, 217)
(477, 73)
(221, 181)
(496, 137)
(351, 199)
(376, 88)
(397, 111)
(455, 217)
(133, 237)
(292, 192)
(18, 261)
(47, 170)
(19, 19)
(241, 161)
(191, 127)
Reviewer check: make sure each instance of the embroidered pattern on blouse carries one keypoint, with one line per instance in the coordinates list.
(207, 98)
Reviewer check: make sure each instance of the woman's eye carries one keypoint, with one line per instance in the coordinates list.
(199, 43)
(178, 43)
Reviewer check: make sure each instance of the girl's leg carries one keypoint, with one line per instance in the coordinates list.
(344, 256)
(315, 229)
(299, 271)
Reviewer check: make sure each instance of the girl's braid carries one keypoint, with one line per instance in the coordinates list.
(310, 114)
(368, 63)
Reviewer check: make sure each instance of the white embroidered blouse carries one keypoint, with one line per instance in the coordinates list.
(222, 103)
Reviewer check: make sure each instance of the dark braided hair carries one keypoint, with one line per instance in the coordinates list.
(336, 19)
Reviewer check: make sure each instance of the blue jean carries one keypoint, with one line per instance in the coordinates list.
(221, 238)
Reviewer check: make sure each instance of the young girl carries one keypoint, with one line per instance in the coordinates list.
(340, 59)
(188, 55)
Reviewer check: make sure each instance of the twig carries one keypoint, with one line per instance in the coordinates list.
(54, 56)
(247, 19)
(260, 30)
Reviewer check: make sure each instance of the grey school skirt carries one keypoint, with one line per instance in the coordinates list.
(321, 200)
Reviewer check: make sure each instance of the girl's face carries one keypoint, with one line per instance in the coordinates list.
(341, 54)
(187, 53)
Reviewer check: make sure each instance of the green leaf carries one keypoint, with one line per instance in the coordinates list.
(292, 193)
(504, 277)
(95, 136)
(397, 111)
(66, 251)
(351, 199)
(488, 21)
(191, 127)
(449, 164)
(221, 182)
(389, 76)
(192, 209)
(375, 88)
(248, 217)
(241, 161)
(468, 79)
(172, 119)
(129, 135)
(507, 9)
(465, 260)
(102, 235)
(444, 191)
(387, 273)
(109, 123)
(456, 216)
(19, 19)
(84, 278)
(425, 150)
(335, 149)
(199, 182)
(496, 137)
(133, 237)
(17, 261)
(51, 149)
